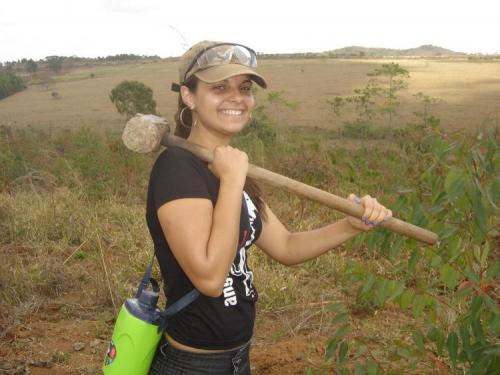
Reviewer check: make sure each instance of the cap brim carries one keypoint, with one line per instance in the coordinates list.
(221, 72)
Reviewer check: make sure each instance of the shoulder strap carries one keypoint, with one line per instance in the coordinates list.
(146, 277)
(182, 303)
(174, 308)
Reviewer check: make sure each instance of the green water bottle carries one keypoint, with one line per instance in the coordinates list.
(136, 334)
(139, 327)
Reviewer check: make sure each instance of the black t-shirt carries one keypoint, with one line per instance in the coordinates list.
(208, 323)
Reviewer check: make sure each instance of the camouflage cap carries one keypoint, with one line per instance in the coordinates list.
(219, 71)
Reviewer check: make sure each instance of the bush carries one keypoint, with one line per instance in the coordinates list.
(96, 166)
(55, 63)
(449, 288)
(261, 127)
(131, 97)
(10, 84)
(357, 130)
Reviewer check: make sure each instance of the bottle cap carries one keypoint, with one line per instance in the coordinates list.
(149, 298)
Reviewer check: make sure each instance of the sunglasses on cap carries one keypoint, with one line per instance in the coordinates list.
(221, 54)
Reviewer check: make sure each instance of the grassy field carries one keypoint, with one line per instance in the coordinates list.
(73, 237)
(470, 92)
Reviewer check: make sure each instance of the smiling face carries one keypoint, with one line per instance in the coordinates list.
(223, 107)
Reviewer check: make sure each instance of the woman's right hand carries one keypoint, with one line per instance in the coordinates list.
(230, 164)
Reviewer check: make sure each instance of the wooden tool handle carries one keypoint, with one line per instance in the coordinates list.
(341, 204)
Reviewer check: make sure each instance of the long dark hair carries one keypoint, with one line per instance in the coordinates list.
(183, 129)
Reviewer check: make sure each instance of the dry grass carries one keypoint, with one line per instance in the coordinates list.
(470, 91)
(53, 242)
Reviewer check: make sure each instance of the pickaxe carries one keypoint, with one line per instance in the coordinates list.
(145, 133)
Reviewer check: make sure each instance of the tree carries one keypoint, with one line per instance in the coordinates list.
(424, 115)
(10, 84)
(364, 102)
(365, 108)
(55, 63)
(395, 75)
(31, 66)
(373, 100)
(131, 97)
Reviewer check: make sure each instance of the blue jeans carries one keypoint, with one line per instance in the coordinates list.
(172, 361)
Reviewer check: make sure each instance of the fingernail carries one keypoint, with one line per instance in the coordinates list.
(357, 199)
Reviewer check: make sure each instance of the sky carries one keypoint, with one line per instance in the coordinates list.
(91, 28)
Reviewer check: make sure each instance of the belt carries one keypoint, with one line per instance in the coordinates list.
(177, 345)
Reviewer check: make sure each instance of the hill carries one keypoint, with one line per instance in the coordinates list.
(427, 50)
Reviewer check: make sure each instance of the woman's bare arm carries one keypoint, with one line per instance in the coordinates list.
(204, 238)
(294, 248)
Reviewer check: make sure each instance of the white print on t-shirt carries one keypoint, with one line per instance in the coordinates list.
(229, 294)
(241, 268)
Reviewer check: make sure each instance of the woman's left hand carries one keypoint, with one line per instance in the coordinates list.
(374, 213)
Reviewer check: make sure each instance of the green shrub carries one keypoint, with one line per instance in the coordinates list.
(357, 130)
(451, 188)
(10, 84)
(260, 126)
(131, 97)
(95, 165)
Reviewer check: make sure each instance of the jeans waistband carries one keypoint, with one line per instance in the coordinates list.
(177, 345)
(170, 360)
(229, 354)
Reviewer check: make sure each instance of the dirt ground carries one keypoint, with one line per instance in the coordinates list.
(61, 315)
(63, 337)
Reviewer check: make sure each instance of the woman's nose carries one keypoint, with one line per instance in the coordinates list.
(235, 95)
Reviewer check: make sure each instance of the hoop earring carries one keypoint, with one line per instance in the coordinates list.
(181, 120)
(195, 120)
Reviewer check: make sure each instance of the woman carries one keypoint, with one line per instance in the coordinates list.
(203, 218)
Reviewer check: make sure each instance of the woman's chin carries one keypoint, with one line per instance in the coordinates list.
(232, 128)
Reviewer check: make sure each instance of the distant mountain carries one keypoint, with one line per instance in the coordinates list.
(427, 50)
